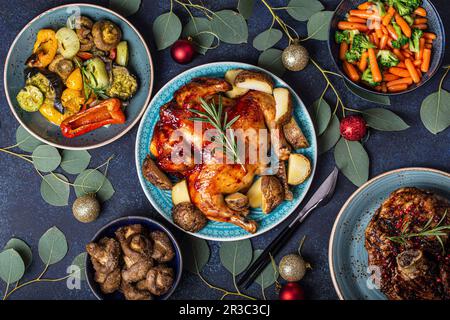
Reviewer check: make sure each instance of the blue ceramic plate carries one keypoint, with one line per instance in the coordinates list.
(162, 200)
(151, 225)
(347, 255)
(434, 25)
(140, 64)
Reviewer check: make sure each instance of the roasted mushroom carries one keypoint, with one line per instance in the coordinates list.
(131, 292)
(272, 193)
(83, 28)
(160, 280)
(104, 255)
(162, 247)
(153, 174)
(109, 282)
(62, 67)
(137, 271)
(237, 201)
(188, 217)
(135, 246)
(106, 35)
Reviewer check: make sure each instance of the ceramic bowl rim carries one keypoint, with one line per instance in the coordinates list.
(249, 235)
(388, 94)
(149, 220)
(347, 203)
(96, 145)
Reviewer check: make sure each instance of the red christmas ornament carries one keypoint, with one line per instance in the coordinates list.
(182, 51)
(353, 128)
(292, 291)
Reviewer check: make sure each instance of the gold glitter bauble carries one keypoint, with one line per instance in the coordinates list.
(292, 267)
(295, 57)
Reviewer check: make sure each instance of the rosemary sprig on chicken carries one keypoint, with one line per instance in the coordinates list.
(218, 118)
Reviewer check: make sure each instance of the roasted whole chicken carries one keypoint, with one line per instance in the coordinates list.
(408, 243)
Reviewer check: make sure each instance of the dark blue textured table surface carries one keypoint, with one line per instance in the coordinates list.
(25, 215)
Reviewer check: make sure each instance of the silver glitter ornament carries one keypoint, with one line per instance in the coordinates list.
(295, 57)
(86, 208)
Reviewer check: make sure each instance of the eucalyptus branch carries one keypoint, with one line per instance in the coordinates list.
(281, 23)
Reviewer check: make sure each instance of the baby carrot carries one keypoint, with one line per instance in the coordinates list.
(421, 47)
(401, 65)
(364, 6)
(378, 31)
(428, 45)
(399, 72)
(406, 54)
(376, 74)
(398, 88)
(389, 77)
(345, 25)
(350, 70)
(420, 20)
(398, 53)
(419, 73)
(412, 70)
(417, 63)
(426, 60)
(403, 25)
(362, 65)
(420, 12)
(427, 40)
(366, 14)
(429, 35)
(392, 32)
(356, 19)
(343, 50)
(375, 39)
(383, 41)
(384, 30)
(383, 87)
(422, 26)
(388, 16)
(407, 80)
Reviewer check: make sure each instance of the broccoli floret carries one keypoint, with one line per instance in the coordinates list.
(368, 78)
(414, 40)
(397, 29)
(387, 58)
(409, 19)
(341, 37)
(361, 41)
(400, 42)
(353, 55)
(402, 9)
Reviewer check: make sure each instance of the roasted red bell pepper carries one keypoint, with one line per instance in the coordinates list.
(107, 112)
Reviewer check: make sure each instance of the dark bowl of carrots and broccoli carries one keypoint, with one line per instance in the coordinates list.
(387, 46)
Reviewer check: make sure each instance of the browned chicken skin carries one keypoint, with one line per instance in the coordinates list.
(212, 178)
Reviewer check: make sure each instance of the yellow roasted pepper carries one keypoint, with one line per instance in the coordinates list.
(53, 115)
(44, 50)
(75, 80)
(72, 100)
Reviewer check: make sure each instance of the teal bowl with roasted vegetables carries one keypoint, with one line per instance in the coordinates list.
(78, 76)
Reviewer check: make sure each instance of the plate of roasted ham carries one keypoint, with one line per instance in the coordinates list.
(226, 151)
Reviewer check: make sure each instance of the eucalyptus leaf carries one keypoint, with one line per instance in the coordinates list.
(230, 26)
(25, 140)
(55, 189)
(236, 256)
(80, 262)
(245, 8)
(271, 60)
(12, 266)
(318, 25)
(52, 246)
(330, 136)
(125, 7)
(196, 253)
(93, 181)
(46, 158)
(75, 161)
(267, 39)
(372, 97)
(321, 115)
(269, 275)
(22, 249)
(384, 120)
(302, 10)
(166, 30)
(352, 160)
(435, 111)
(199, 29)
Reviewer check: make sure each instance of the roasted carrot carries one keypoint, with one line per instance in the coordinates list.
(399, 72)
(375, 39)
(356, 19)
(428, 45)
(383, 87)
(384, 29)
(419, 73)
(429, 35)
(406, 54)
(364, 6)
(412, 70)
(417, 63)
(389, 76)
(420, 20)
(388, 16)
(366, 14)
(378, 88)
(345, 25)
(422, 26)
(398, 88)
(407, 80)
(419, 54)
(427, 40)
(398, 53)
(378, 31)
(392, 32)
(420, 12)
(343, 50)
(362, 65)
(401, 65)
(426, 60)
(383, 41)
(403, 25)
(350, 70)
(376, 74)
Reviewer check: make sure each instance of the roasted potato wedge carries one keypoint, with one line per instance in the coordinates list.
(153, 174)
(282, 176)
(294, 135)
(237, 201)
(254, 194)
(299, 168)
(283, 105)
(236, 92)
(252, 80)
(180, 193)
(272, 193)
